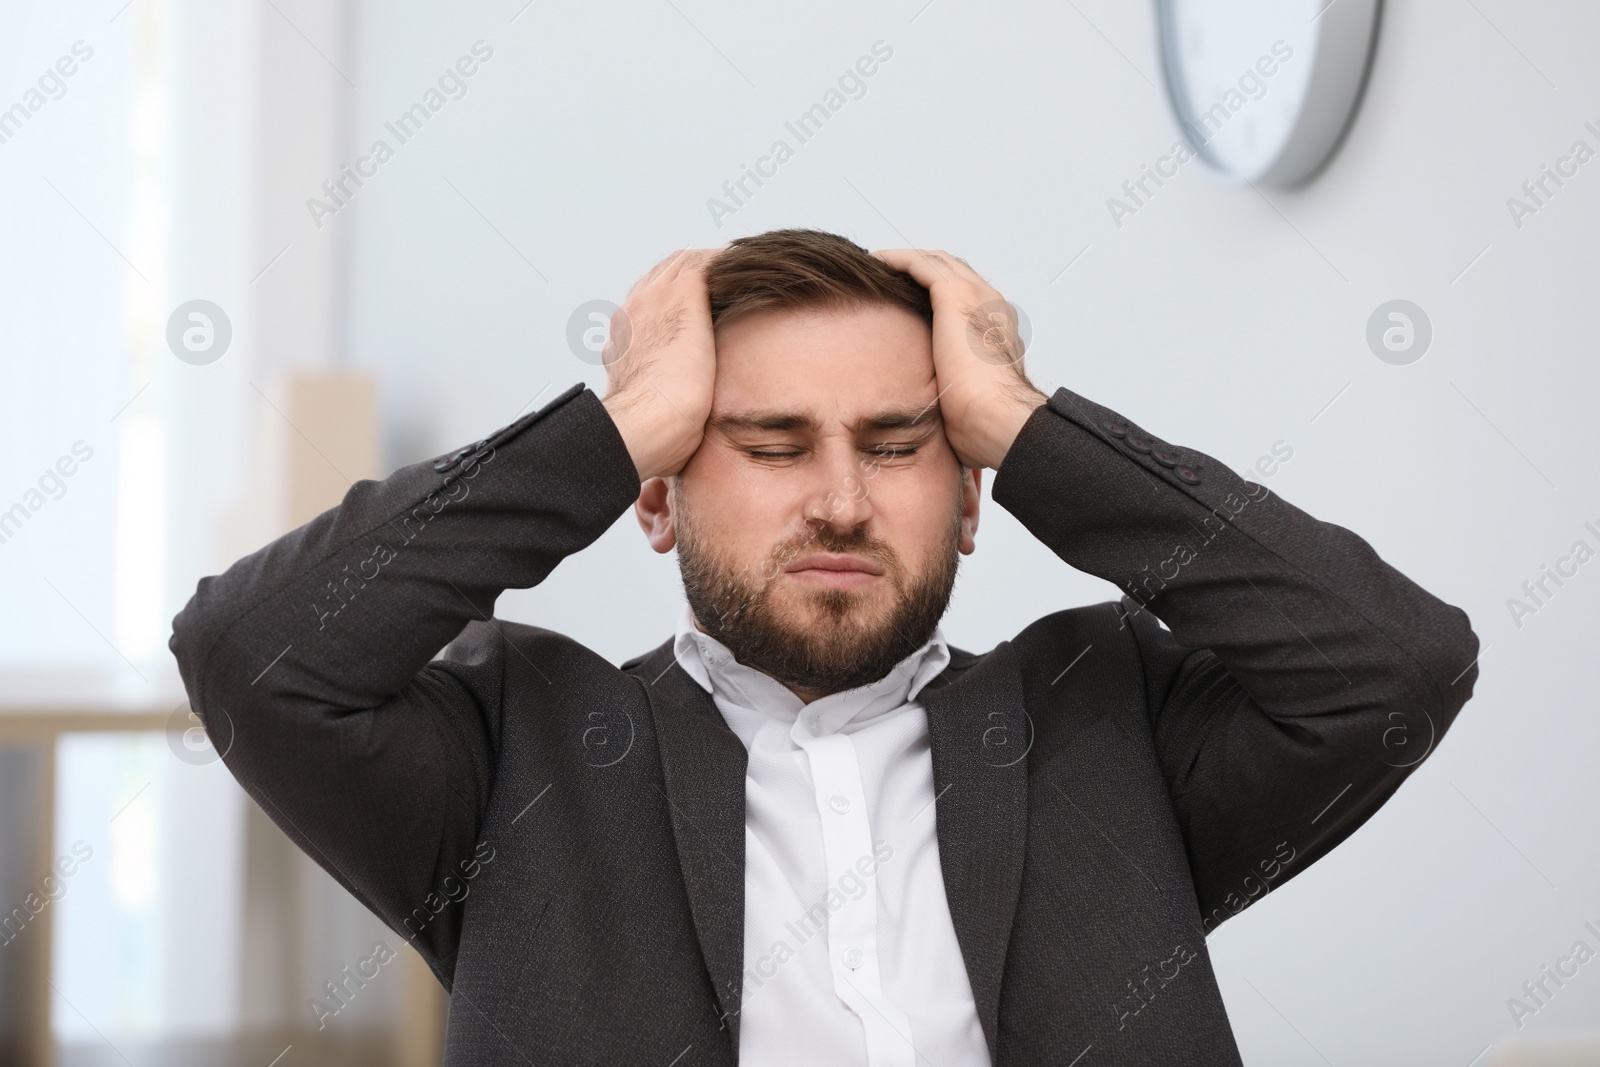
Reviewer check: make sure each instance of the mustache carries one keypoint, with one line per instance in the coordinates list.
(856, 541)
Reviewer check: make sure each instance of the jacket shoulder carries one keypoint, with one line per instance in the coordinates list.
(1099, 625)
(658, 658)
(1040, 644)
(496, 645)
(1087, 653)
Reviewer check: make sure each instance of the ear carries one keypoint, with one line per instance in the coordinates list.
(654, 511)
(971, 497)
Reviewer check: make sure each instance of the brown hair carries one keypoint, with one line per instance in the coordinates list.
(784, 270)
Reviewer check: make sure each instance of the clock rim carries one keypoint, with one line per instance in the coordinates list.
(1342, 51)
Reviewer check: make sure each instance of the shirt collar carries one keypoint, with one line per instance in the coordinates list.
(714, 668)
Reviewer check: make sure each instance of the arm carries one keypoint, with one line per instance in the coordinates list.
(1302, 678)
(309, 660)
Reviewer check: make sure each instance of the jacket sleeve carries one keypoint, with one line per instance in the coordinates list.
(309, 660)
(1299, 678)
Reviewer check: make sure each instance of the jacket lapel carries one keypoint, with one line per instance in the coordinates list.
(703, 765)
(980, 736)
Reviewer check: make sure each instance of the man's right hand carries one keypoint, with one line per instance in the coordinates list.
(660, 363)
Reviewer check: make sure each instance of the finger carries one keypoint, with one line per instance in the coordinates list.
(662, 272)
(668, 268)
(912, 261)
(691, 266)
(685, 262)
(648, 277)
(929, 267)
(956, 265)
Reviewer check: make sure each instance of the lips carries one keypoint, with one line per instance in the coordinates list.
(833, 561)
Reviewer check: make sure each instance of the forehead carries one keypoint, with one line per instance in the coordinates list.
(836, 365)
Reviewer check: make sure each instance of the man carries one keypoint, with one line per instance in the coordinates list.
(806, 830)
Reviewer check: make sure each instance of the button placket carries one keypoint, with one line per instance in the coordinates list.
(853, 929)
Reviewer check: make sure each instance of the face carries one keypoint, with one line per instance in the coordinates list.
(818, 526)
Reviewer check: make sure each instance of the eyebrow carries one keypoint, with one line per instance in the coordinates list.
(782, 421)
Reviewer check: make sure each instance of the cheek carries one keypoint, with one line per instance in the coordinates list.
(740, 520)
(915, 515)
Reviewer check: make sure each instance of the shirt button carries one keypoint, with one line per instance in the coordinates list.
(853, 957)
(813, 725)
(840, 802)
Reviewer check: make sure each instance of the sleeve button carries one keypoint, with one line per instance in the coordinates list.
(1139, 443)
(445, 463)
(1114, 427)
(1187, 474)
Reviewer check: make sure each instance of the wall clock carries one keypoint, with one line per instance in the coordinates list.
(1265, 89)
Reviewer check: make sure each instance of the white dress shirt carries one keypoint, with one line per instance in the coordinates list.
(850, 955)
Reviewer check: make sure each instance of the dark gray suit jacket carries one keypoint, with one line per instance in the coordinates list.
(563, 840)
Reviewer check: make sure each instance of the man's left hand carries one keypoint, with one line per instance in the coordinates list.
(984, 394)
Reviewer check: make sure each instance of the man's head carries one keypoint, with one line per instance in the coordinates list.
(819, 522)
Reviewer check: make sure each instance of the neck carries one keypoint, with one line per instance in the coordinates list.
(805, 695)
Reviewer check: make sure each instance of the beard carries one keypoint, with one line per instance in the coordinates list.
(821, 640)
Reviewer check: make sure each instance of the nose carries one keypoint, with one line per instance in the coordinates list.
(839, 495)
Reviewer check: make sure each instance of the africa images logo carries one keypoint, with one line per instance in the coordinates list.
(199, 332)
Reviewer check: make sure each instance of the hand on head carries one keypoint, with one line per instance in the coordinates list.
(984, 394)
(661, 360)
(660, 363)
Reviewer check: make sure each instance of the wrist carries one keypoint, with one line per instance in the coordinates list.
(653, 435)
(1003, 426)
